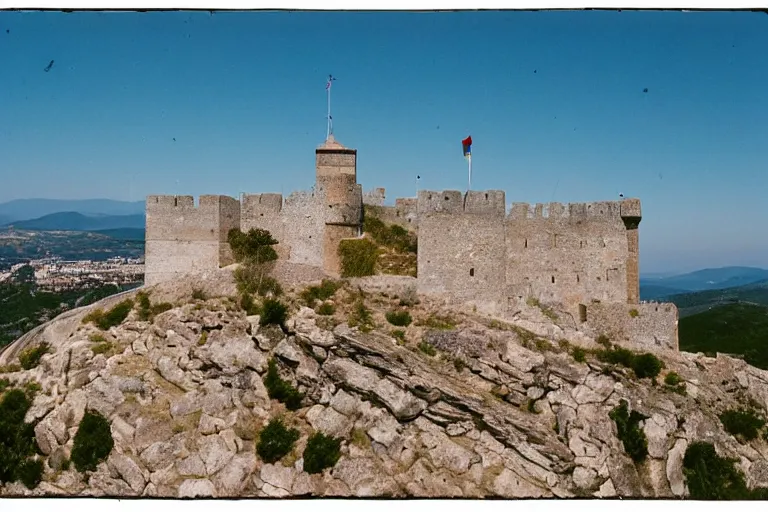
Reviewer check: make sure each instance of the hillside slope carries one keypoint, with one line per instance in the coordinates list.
(450, 404)
(73, 221)
(733, 328)
(696, 302)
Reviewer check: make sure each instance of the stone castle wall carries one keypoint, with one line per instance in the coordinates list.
(184, 238)
(583, 256)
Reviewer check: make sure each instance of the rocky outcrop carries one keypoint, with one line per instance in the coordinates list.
(488, 415)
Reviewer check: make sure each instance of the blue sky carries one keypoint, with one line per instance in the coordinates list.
(554, 102)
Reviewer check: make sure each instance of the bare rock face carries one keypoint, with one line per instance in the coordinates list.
(488, 415)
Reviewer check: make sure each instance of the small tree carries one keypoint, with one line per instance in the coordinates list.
(255, 251)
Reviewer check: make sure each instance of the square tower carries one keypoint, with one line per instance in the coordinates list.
(333, 159)
(341, 197)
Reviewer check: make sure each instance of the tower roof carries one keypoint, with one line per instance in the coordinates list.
(331, 143)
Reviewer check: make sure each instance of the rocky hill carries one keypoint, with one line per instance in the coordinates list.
(182, 397)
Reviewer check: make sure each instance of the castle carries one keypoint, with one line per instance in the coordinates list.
(582, 256)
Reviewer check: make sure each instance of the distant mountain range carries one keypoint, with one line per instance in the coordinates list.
(74, 221)
(701, 280)
(25, 209)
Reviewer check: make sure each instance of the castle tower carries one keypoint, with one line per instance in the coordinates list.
(337, 187)
(631, 215)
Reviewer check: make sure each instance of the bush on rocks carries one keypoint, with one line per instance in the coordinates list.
(273, 312)
(629, 431)
(321, 452)
(399, 318)
(17, 441)
(743, 423)
(111, 318)
(93, 442)
(711, 477)
(30, 357)
(276, 441)
(280, 390)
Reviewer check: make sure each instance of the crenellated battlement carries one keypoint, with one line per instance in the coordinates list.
(485, 202)
(259, 205)
(577, 211)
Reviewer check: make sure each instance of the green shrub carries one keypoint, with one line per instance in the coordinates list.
(255, 245)
(326, 309)
(321, 452)
(280, 390)
(646, 365)
(30, 472)
(254, 278)
(361, 317)
(711, 477)
(93, 442)
(30, 357)
(17, 439)
(321, 293)
(392, 236)
(276, 441)
(674, 383)
(111, 318)
(146, 310)
(399, 318)
(672, 379)
(579, 355)
(459, 364)
(398, 334)
(97, 337)
(273, 312)
(250, 307)
(198, 294)
(4, 384)
(159, 308)
(427, 348)
(643, 365)
(744, 423)
(203, 339)
(633, 313)
(358, 257)
(629, 431)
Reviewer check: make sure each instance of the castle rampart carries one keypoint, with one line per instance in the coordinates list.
(582, 256)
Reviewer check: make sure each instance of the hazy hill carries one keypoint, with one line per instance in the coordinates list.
(711, 278)
(74, 221)
(696, 302)
(24, 209)
(733, 328)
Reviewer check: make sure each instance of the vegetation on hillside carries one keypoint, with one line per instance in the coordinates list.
(25, 306)
(256, 254)
(738, 329)
(17, 440)
(397, 247)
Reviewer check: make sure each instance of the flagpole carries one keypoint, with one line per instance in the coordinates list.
(469, 159)
(328, 131)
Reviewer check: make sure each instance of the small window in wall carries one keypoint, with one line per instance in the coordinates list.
(577, 278)
(471, 272)
(486, 197)
(526, 243)
(582, 313)
(175, 201)
(553, 279)
(581, 244)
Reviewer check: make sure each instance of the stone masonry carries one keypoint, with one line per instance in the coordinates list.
(583, 256)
